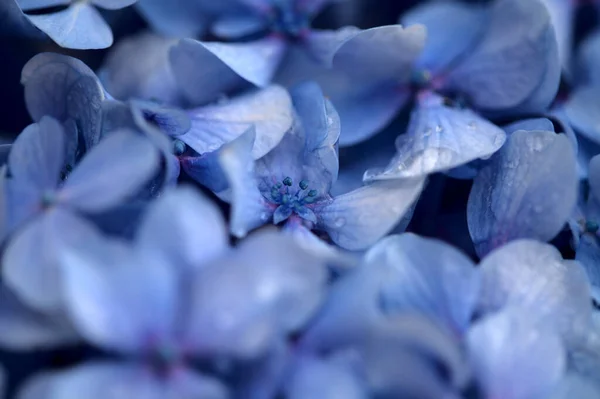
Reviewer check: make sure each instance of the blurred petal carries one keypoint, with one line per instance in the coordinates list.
(358, 219)
(171, 121)
(174, 18)
(544, 124)
(513, 359)
(225, 66)
(31, 267)
(119, 166)
(528, 190)
(38, 156)
(80, 26)
(582, 110)
(532, 276)
(575, 386)
(452, 28)
(594, 176)
(27, 5)
(248, 207)
(270, 286)
(185, 227)
(385, 53)
(66, 89)
(315, 378)
(237, 26)
(269, 110)
(322, 45)
(139, 67)
(429, 277)
(25, 329)
(589, 59)
(440, 138)
(493, 75)
(117, 300)
(113, 4)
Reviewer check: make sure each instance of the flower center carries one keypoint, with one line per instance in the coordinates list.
(286, 19)
(293, 200)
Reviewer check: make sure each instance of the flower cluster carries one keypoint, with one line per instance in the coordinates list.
(236, 203)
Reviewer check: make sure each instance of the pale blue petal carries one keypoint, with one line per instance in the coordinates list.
(588, 255)
(116, 168)
(589, 59)
(453, 29)
(493, 76)
(268, 287)
(206, 170)
(248, 207)
(358, 219)
(186, 227)
(37, 156)
(574, 385)
(171, 121)
(594, 176)
(25, 329)
(119, 300)
(238, 26)
(401, 355)
(14, 23)
(113, 4)
(78, 27)
(385, 53)
(269, 110)
(225, 66)
(139, 67)
(528, 190)
(322, 45)
(582, 110)
(316, 378)
(544, 124)
(282, 213)
(532, 276)
(174, 18)
(429, 277)
(27, 5)
(440, 138)
(30, 262)
(66, 89)
(514, 359)
(562, 14)
(102, 380)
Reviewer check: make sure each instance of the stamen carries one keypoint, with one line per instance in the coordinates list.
(288, 181)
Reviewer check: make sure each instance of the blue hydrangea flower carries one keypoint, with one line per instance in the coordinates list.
(164, 301)
(292, 183)
(528, 190)
(41, 200)
(78, 26)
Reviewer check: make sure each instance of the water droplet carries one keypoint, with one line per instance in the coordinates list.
(264, 216)
(471, 125)
(339, 222)
(439, 129)
(427, 132)
(329, 121)
(499, 139)
(370, 174)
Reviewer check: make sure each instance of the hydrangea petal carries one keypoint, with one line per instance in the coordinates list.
(581, 109)
(171, 121)
(38, 156)
(25, 329)
(118, 300)
(532, 276)
(226, 66)
(117, 167)
(589, 58)
(113, 4)
(493, 75)
(544, 124)
(384, 53)
(427, 276)
(575, 386)
(528, 190)
(80, 26)
(322, 45)
(315, 378)
(174, 18)
(248, 207)
(440, 138)
(269, 110)
(358, 219)
(185, 226)
(453, 29)
(238, 26)
(268, 287)
(513, 359)
(66, 89)
(31, 264)
(139, 67)
(594, 176)
(27, 5)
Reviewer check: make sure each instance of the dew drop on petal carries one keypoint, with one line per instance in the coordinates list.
(439, 129)
(339, 222)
